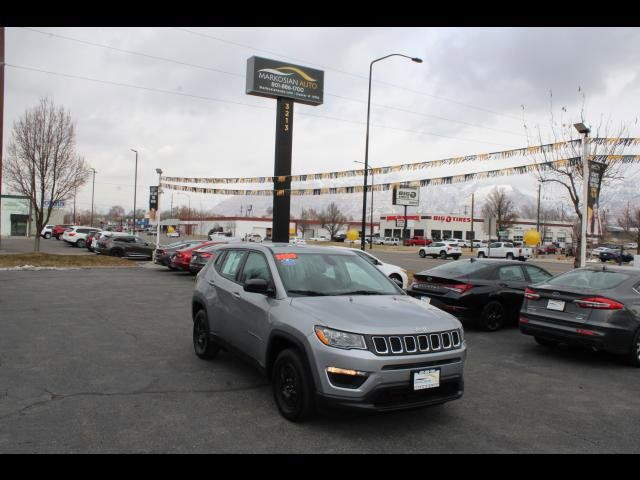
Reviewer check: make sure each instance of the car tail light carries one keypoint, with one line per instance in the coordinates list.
(72, 234)
(588, 333)
(531, 295)
(599, 303)
(459, 287)
(523, 319)
(448, 249)
(205, 255)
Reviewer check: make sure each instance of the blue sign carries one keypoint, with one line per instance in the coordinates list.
(56, 204)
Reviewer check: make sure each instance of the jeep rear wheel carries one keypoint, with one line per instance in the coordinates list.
(292, 386)
(204, 347)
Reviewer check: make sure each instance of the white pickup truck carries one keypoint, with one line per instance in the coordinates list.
(505, 250)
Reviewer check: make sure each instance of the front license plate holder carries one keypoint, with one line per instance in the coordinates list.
(557, 305)
(428, 378)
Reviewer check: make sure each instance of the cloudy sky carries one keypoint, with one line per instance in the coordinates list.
(177, 95)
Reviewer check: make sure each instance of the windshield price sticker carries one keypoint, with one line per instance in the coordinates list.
(286, 258)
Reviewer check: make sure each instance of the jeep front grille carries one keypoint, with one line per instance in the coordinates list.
(414, 344)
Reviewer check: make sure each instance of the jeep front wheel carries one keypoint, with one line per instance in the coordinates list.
(292, 387)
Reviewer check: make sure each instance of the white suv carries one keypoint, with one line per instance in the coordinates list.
(442, 250)
(46, 231)
(390, 241)
(77, 236)
(394, 272)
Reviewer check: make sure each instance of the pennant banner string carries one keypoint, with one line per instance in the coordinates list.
(408, 166)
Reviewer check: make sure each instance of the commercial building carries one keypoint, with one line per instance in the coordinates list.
(443, 226)
(14, 216)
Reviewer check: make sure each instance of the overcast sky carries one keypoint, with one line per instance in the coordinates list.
(465, 98)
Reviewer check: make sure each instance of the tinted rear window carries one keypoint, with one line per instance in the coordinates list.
(456, 268)
(594, 279)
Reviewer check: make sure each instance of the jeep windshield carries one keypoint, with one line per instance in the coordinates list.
(329, 274)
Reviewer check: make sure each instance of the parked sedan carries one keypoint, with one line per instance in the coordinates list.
(597, 307)
(615, 256)
(394, 272)
(163, 254)
(201, 256)
(181, 258)
(488, 291)
(547, 249)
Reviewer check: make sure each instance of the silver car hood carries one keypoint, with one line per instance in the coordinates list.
(375, 314)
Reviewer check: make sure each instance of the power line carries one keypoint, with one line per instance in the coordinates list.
(212, 37)
(212, 99)
(241, 77)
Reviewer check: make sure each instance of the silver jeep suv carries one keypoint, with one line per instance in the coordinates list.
(327, 328)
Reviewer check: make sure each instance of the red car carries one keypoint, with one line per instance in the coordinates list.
(181, 259)
(547, 249)
(418, 241)
(58, 230)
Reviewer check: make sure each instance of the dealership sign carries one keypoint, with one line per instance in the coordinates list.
(409, 196)
(273, 79)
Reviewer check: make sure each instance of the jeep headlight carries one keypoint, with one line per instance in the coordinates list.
(339, 339)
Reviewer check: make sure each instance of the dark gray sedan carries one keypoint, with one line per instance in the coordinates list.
(598, 307)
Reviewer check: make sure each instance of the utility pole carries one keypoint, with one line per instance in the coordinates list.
(1, 116)
(75, 193)
(93, 186)
(473, 236)
(135, 186)
(538, 220)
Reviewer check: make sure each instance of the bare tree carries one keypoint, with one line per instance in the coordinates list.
(499, 206)
(332, 219)
(307, 216)
(116, 213)
(567, 152)
(626, 220)
(42, 161)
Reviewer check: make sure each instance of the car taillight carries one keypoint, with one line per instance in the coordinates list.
(71, 234)
(205, 255)
(459, 287)
(599, 303)
(531, 295)
(523, 319)
(448, 249)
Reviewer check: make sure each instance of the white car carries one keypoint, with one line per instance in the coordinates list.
(441, 250)
(319, 239)
(46, 231)
(394, 272)
(297, 241)
(477, 244)
(77, 236)
(389, 241)
(631, 245)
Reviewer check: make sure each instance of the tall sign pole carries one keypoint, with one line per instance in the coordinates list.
(1, 117)
(287, 84)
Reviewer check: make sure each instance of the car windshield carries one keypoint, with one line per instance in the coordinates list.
(592, 279)
(457, 268)
(316, 274)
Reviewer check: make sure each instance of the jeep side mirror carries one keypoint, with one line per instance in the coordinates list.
(258, 285)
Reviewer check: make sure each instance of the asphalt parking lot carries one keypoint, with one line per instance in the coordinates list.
(101, 360)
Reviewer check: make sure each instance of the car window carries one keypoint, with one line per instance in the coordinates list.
(256, 266)
(511, 272)
(139, 240)
(593, 279)
(366, 257)
(536, 274)
(219, 261)
(456, 268)
(231, 264)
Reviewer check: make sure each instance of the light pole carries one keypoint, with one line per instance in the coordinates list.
(584, 130)
(93, 186)
(366, 150)
(159, 172)
(371, 214)
(135, 186)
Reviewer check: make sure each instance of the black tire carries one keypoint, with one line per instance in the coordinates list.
(396, 278)
(493, 316)
(47, 235)
(509, 256)
(443, 254)
(81, 243)
(117, 253)
(455, 257)
(481, 255)
(545, 342)
(633, 357)
(422, 254)
(203, 345)
(293, 389)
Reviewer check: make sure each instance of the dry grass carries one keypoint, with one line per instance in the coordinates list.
(49, 260)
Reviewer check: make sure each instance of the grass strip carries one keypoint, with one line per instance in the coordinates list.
(49, 260)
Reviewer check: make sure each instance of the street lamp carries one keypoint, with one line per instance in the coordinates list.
(371, 215)
(366, 151)
(135, 185)
(92, 191)
(159, 172)
(584, 130)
